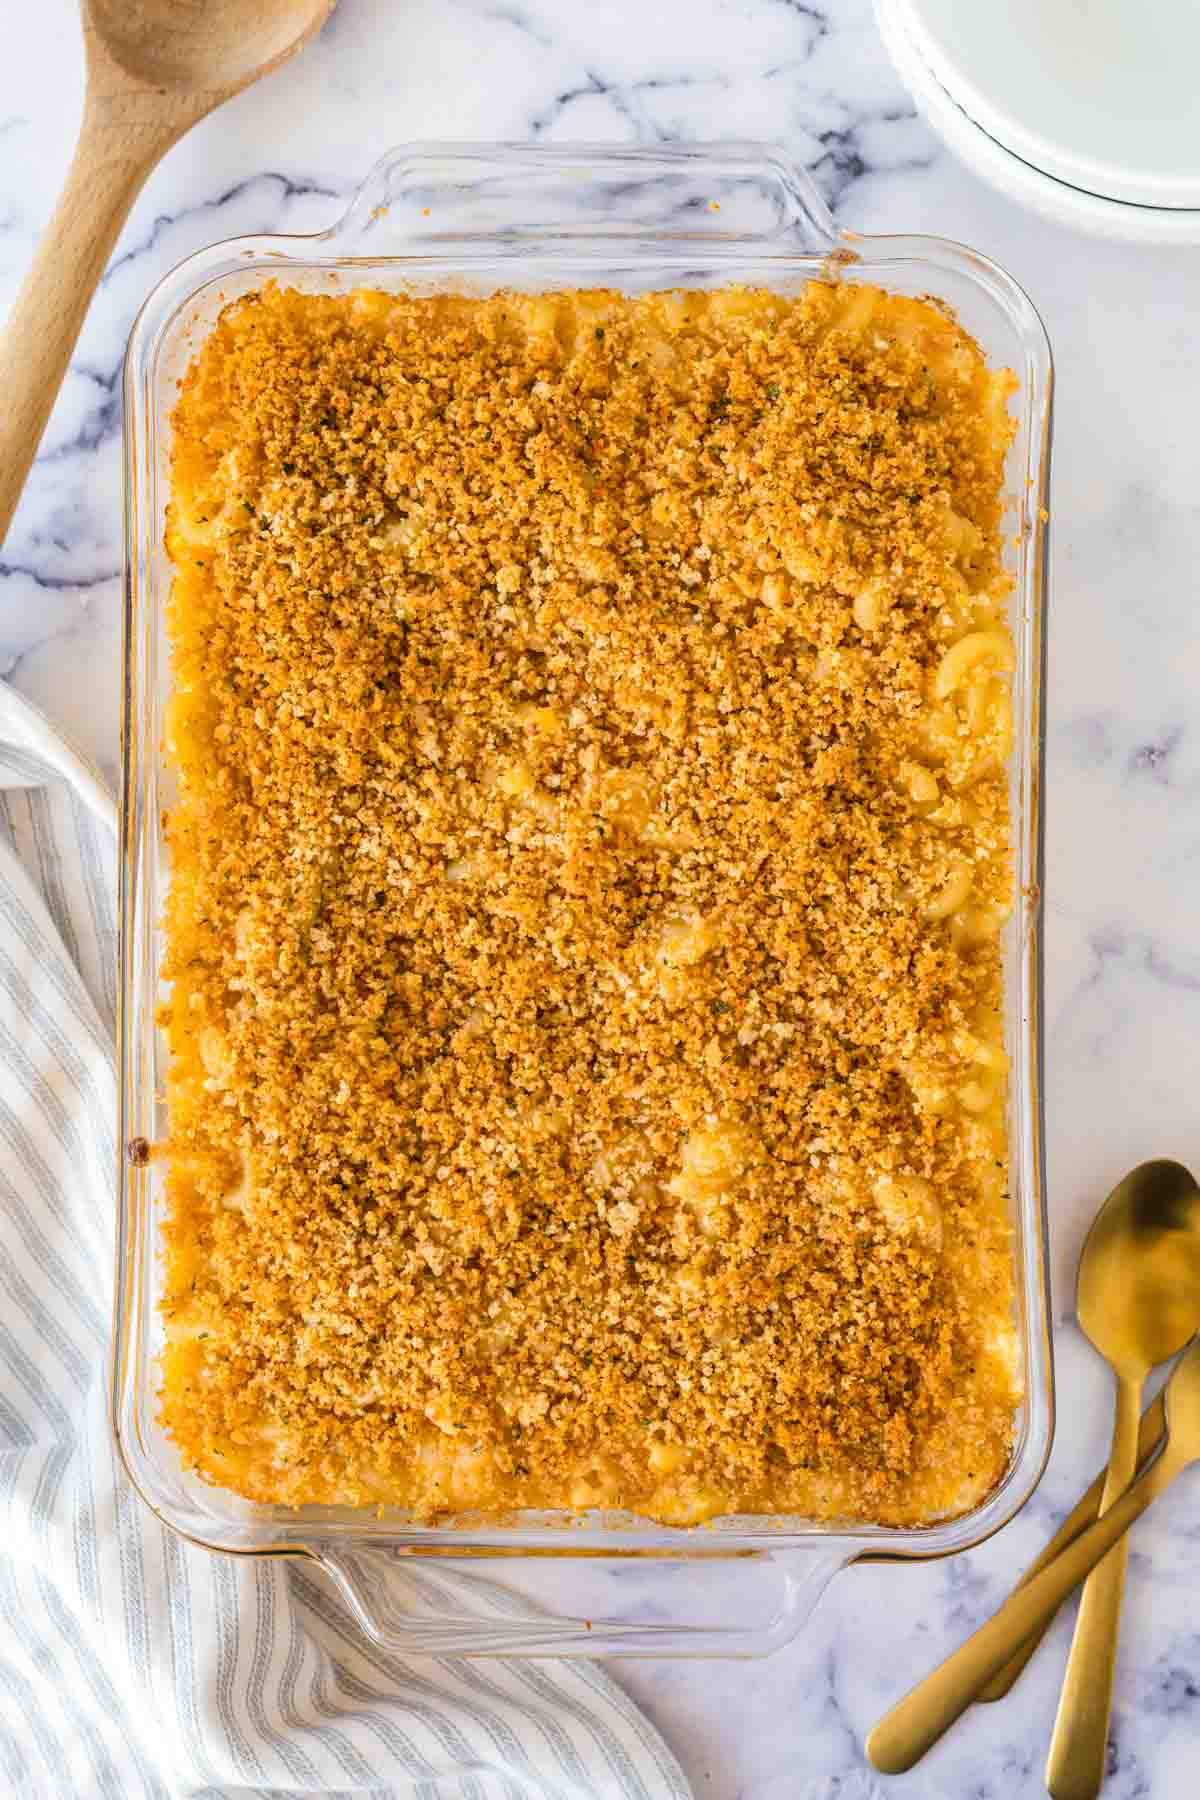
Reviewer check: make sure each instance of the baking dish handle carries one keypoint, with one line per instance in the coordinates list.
(444, 1606)
(420, 199)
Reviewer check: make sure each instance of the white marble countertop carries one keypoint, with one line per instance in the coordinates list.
(1123, 1044)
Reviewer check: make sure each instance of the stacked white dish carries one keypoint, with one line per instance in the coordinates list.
(1089, 114)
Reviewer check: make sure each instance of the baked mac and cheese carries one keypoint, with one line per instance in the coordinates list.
(586, 1082)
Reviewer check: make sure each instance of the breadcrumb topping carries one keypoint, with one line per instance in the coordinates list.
(586, 1078)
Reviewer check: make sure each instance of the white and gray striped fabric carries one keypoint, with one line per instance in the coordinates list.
(131, 1664)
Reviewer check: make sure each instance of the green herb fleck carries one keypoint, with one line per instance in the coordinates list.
(773, 391)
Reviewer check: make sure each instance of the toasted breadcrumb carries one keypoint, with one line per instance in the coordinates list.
(586, 1083)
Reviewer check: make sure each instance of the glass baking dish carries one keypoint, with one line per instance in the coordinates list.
(477, 218)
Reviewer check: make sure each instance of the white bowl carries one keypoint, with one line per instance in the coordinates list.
(999, 121)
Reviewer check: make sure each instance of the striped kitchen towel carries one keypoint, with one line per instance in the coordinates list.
(132, 1664)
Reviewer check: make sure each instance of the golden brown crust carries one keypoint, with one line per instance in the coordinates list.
(585, 1081)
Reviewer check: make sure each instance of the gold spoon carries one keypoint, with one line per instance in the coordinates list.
(1138, 1300)
(1085, 1512)
(916, 1723)
(153, 67)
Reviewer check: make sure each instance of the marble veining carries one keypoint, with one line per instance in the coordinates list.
(1123, 887)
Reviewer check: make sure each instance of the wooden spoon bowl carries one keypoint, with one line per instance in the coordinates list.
(154, 67)
(201, 46)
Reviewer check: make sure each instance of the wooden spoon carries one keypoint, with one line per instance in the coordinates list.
(154, 67)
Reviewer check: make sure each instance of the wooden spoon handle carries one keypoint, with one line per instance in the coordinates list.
(110, 164)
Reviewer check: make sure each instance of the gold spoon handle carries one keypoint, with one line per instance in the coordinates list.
(1075, 1765)
(1154, 1423)
(916, 1723)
